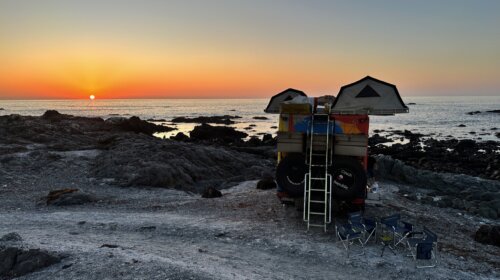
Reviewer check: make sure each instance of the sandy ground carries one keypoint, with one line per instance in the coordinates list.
(246, 234)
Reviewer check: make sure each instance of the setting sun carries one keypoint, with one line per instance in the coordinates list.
(92, 97)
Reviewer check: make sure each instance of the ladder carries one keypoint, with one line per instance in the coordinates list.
(318, 182)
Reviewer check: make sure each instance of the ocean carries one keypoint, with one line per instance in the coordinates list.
(438, 115)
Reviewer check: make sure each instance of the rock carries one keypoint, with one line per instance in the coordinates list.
(474, 113)
(180, 137)
(217, 133)
(211, 192)
(260, 118)
(52, 114)
(116, 120)
(1, 109)
(135, 124)
(11, 237)
(461, 125)
(15, 262)
(225, 119)
(67, 197)
(254, 141)
(494, 111)
(156, 120)
(274, 127)
(488, 234)
(112, 246)
(144, 161)
(266, 184)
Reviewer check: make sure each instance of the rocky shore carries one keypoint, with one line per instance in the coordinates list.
(88, 198)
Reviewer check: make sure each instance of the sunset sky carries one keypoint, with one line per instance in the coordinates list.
(212, 48)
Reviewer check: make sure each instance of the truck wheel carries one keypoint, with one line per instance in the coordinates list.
(290, 174)
(349, 178)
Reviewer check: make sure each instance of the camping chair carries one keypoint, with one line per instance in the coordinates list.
(424, 248)
(366, 225)
(348, 236)
(400, 230)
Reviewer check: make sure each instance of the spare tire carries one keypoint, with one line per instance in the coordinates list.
(290, 174)
(349, 178)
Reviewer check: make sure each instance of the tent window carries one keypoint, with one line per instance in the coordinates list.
(367, 91)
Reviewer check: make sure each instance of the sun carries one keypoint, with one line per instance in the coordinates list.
(92, 97)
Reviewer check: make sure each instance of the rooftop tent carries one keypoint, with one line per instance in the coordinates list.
(369, 96)
(274, 104)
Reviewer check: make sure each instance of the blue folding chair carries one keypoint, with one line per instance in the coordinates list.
(348, 235)
(367, 226)
(424, 248)
(400, 229)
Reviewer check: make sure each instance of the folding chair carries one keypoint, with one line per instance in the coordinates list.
(366, 225)
(424, 248)
(348, 235)
(399, 229)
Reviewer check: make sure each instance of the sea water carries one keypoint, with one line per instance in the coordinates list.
(439, 116)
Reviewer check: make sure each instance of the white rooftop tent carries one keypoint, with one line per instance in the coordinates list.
(286, 95)
(369, 96)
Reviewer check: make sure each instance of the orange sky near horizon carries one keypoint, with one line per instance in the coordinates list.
(191, 49)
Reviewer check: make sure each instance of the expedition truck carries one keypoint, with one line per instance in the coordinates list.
(322, 145)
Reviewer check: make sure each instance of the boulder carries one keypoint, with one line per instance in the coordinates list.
(488, 234)
(211, 192)
(266, 183)
(217, 134)
(15, 262)
(52, 115)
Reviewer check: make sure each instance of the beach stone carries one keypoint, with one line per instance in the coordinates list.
(211, 192)
(260, 118)
(15, 262)
(488, 234)
(11, 237)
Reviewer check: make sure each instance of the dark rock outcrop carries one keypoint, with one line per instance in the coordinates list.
(135, 124)
(472, 194)
(452, 156)
(217, 134)
(488, 234)
(15, 262)
(145, 161)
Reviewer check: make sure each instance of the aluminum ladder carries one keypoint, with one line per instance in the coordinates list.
(318, 182)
